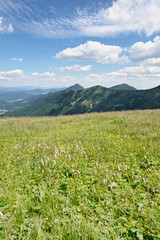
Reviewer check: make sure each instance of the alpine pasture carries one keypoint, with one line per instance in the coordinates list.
(89, 177)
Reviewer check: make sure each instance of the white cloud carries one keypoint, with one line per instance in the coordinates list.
(152, 62)
(144, 75)
(17, 59)
(109, 54)
(141, 76)
(123, 16)
(94, 51)
(75, 68)
(141, 51)
(12, 74)
(5, 27)
(48, 75)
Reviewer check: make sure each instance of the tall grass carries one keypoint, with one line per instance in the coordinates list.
(92, 176)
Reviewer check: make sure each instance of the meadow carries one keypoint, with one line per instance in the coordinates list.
(89, 177)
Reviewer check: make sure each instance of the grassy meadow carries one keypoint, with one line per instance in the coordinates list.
(89, 177)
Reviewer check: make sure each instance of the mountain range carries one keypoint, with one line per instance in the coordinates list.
(76, 100)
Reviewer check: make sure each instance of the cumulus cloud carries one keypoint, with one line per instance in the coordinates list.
(48, 75)
(75, 68)
(140, 51)
(5, 27)
(144, 75)
(123, 16)
(11, 74)
(152, 62)
(109, 54)
(47, 79)
(141, 76)
(94, 51)
(17, 59)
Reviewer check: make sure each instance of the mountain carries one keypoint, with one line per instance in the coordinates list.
(75, 87)
(19, 99)
(94, 99)
(123, 86)
(28, 97)
(3, 105)
(14, 95)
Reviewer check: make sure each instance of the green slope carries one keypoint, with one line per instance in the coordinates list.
(123, 86)
(95, 99)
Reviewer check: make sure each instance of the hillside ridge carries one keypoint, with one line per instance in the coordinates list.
(94, 99)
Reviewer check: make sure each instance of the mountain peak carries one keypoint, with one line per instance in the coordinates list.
(123, 86)
(75, 87)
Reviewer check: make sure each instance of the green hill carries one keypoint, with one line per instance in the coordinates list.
(123, 86)
(94, 99)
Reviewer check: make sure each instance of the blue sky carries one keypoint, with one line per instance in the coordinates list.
(53, 43)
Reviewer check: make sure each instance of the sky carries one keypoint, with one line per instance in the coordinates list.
(57, 43)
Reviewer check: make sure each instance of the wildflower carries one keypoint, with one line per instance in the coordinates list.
(118, 175)
(137, 177)
(54, 162)
(78, 171)
(95, 171)
(69, 157)
(113, 184)
(152, 203)
(1, 214)
(104, 180)
(144, 180)
(139, 209)
(20, 171)
(118, 168)
(77, 148)
(126, 167)
(52, 194)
